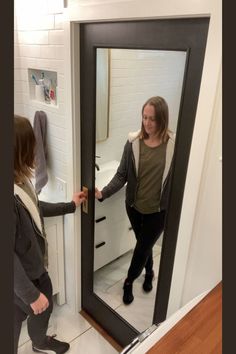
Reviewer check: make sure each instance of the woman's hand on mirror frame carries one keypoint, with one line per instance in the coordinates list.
(98, 194)
(79, 197)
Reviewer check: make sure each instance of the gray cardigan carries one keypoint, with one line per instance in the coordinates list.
(29, 246)
(127, 171)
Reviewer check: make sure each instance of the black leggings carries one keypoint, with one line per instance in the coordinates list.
(37, 324)
(147, 229)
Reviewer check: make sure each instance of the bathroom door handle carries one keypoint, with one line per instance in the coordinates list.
(85, 203)
(100, 219)
(100, 244)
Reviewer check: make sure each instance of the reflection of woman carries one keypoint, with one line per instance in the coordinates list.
(145, 166)
(32, 285)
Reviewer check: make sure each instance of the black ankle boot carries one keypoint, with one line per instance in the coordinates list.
(128, 295)
(51, 345)
(147, 285)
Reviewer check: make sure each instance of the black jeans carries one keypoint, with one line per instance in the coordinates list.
(37, 324)
(147, 229)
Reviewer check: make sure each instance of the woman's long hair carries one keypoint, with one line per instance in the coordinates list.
(161, 115)
(24, 149)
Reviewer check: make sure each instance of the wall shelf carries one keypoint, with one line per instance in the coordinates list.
(43, 86)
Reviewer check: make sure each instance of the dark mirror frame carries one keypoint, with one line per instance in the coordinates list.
(186, 34)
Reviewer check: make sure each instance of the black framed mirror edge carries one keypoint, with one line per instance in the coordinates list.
(159, 314)
(167, 263)
(90, 302)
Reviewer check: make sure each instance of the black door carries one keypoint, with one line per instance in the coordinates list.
(170, 34)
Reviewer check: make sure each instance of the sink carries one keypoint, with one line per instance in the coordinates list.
(105, 174)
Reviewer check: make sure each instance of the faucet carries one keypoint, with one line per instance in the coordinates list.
(96, 165)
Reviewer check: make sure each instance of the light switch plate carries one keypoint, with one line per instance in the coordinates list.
(61, 187)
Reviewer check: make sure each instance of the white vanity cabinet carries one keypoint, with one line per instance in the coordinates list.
(54, 232)
(113, 236)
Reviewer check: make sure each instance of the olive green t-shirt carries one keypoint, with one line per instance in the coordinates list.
(150, 173)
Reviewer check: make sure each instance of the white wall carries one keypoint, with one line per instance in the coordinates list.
(42, 40)
(204, 268)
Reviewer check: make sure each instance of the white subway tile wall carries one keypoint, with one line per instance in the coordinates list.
(56, 37)
(59, 21)
(135, 76)
(39, 44)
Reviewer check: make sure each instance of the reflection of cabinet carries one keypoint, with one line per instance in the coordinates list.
(113, 236)
(54, 232)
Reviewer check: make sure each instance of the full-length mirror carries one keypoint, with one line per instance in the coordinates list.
(135, 75)
(147, 58)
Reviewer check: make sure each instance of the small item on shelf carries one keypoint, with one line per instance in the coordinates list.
(45, 83)
(42, 86)
(39, 93)
(41, 80)
(34, 78)
(46, 94)
(52, 93)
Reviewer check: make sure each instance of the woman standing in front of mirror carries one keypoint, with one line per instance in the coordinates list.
(146, 168)
(33, 294)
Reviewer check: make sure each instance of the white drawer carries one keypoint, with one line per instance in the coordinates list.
(113, 207)
(111, 241)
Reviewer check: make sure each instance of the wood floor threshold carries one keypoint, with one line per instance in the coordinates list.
(98, 328)
(198, 332)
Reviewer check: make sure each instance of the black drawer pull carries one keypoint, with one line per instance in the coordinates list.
(100, 244)
(100, 219)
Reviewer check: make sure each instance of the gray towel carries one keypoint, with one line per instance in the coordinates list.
(40, 131)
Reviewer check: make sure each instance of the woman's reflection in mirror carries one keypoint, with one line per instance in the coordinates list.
(146, 168)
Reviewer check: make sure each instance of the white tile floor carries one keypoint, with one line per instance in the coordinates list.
(108, 283)
(83, 338)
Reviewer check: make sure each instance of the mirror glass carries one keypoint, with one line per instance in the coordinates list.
(131, 76)
(102, 93)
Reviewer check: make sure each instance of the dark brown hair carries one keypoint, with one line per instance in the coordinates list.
(161, 115)
(24, 148)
